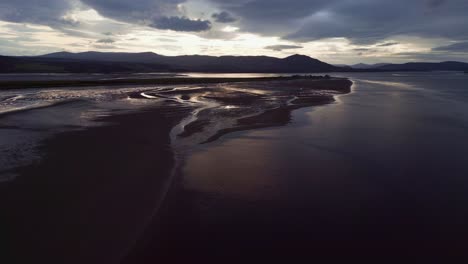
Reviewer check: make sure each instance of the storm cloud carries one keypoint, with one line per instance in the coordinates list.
(224, 17)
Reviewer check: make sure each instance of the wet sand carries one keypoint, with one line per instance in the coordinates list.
(99, 195)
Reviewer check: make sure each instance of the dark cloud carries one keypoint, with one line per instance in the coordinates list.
(435, 3)
(361, 21)
(161, 14)
(282, 47)
(181, 24)
(271, 17)
(134, 10)
(224, 17)
(44, 12)
(456, 47)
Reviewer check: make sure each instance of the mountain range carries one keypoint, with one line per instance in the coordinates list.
(115, 62)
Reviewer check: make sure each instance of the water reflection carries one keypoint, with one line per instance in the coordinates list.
(387, 162)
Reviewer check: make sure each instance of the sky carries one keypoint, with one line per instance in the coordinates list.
(335, 31)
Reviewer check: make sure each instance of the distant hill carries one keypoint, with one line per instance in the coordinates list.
(368, 66)
(198, 63)
(57, 65)
(426, 66)
(142, 57)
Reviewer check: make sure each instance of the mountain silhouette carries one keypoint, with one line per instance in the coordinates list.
(121, 62)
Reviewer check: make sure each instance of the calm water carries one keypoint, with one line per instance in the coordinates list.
(385, 166)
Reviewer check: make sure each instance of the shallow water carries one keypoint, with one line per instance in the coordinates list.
(390, 124)
(28, 116)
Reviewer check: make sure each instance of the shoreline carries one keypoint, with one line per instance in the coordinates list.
(9, 85)
(94, 192)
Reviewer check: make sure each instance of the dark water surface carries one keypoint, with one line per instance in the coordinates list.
(382, 171)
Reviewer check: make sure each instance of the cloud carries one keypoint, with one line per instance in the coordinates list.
(435, 3)
(283, 47)
(106, 41)
(13, 48)
(160, 14)
(224, 17)
(135, 11)
(217, 34)
(388, 44)
(181, 24)
(166, 40)
(456, 47)
(362, 49)
(44, 12)
(361, 21)
(430, 56)
(104, 46)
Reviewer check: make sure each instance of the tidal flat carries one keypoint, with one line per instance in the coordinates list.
(99, 183)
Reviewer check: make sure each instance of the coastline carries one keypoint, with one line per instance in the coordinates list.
(78, 215)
